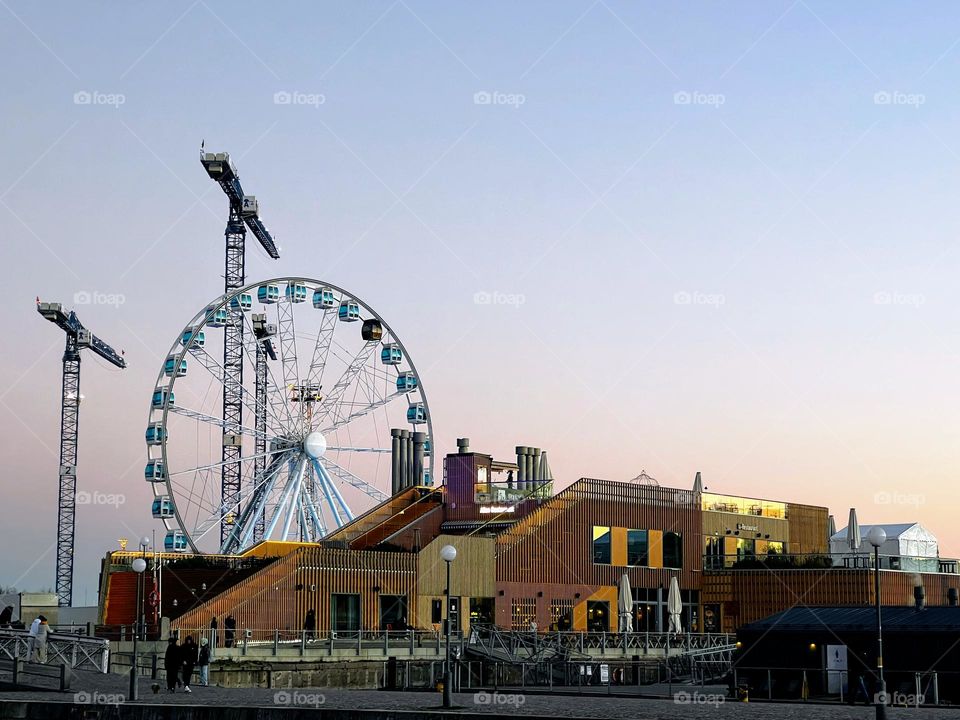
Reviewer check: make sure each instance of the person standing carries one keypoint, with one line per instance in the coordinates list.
(188, 659)
(203, 662)
(310, 624)
(171, 664)
(42, 631)
(32, 638)
(213, 632)
(230, 625)
(6, 616)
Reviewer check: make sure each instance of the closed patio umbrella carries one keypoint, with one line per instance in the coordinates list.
(625, 604)
(674, 606)
(853, 531)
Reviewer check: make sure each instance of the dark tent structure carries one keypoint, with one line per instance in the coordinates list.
(819, 651)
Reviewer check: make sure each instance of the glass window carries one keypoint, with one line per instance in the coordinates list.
(345, 612)
(436, 611)
(775, 547)
(672, 550)
(393, 612)
(598, 616)
(601, 544)
(746, 548)
(712, 553)
(481, 610)
(637, 547)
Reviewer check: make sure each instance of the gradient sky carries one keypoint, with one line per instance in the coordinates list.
(759, 283)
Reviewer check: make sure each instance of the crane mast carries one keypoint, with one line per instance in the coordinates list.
(243, 214)
(77, 339)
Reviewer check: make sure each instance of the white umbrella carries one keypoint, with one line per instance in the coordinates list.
(625, 604)
(674, 606)
(853, 531)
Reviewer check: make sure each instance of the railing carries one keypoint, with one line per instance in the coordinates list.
(484, 639)
(905, 688)
(75, 651)
(825, 561)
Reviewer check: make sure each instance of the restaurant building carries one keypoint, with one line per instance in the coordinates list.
(528, 557)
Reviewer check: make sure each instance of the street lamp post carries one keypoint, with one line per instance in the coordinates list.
(139, 565)
(877, 537)
(449, 554)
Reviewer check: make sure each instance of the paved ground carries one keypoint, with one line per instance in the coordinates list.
(690, 703)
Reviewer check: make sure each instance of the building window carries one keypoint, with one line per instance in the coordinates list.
(561, 614)
(523, 611)
(481, 611)
(672, 550)
(436, 611)
(598, 616)
(712, 553)
(775, 547)
(746, 548)
(637, 548)
(345, 612)
(393, 612)
(601, 544)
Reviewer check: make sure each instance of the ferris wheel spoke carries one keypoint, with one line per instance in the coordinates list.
(211, 466)
(334, 448)
(348, 477)
(321, 349)
(367, 409)
(215, 368)
(331, 404)
(287, 331)
(219, 422)
(277, 395)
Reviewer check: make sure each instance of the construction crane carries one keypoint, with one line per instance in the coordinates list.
(263, 331)
(78, 338)
(243, 214)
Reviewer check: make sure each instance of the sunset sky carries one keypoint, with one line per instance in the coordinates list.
(716, 237)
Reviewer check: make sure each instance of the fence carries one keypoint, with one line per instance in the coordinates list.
(74, 651)
(905, 688)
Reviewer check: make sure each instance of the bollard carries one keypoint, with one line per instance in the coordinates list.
(935, 684)
(276, 642)
(303, 642)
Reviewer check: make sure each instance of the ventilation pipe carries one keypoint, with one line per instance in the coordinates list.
(534, 468)
(411, 481)
(419, 438)
(463, 445)
(404, 458)
(395, 473)
(521, 467)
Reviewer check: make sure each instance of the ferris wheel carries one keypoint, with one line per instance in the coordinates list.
(291, 443)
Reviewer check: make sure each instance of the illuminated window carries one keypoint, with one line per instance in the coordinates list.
(601, 544)
(637, 548)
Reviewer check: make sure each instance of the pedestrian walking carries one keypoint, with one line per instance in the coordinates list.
(203, 662)
(171, 664)
(310, 624)
(188, 659)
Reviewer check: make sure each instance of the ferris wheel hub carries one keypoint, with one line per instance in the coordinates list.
(315, 445)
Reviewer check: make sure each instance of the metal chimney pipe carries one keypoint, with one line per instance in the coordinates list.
(534, 467)
(952, 597)
(521, 466)
(404, 458)
(419, 438)
(395, 474)
(410, 476)
(463, 445)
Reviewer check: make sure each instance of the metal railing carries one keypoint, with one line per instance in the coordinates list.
(905, 688)
(75, 651)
